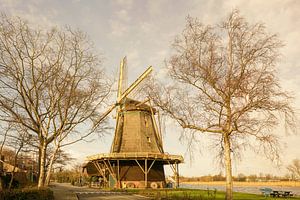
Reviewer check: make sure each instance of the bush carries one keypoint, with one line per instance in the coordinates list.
(6, 179)
(27, 194)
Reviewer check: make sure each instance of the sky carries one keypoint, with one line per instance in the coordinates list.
(143, 31)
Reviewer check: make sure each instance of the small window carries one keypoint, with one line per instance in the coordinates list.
(148, 139)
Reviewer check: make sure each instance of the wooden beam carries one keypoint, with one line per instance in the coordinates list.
(100, 169)
(118, 174)
(110, 170)
(156, 131)
(151, 166)
(146, 174)
(135, 83)
(121, 78)
(143, 102)
(140, 166)
(175, 170)
(177, 174)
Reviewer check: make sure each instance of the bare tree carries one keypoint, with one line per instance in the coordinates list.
(4, 132)
(50, 83)
(225, 85)
(61, 141)
(62, 158)
(57, 157)
(294, 169)
(18, 140)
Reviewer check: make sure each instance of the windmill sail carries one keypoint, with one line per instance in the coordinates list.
(122, 82)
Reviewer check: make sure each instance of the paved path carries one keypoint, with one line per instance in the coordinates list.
(99, 196)
(66, 191)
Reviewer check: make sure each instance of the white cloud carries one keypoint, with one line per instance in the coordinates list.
(123, 15)
(29, 12)
(135, 66)
(8, 4)
(118, 28)
(123, 3)
(146, 27)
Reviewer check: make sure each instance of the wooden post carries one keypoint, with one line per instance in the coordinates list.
(146, 174)
(100, 170)
(177, 175)
(118, 174)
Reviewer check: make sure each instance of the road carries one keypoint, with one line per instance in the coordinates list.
(100, 196)
(65, 191)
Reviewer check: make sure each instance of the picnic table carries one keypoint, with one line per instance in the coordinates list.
(281, 193)
(276, 193)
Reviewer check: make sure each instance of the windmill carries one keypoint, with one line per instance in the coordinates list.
(137, 157)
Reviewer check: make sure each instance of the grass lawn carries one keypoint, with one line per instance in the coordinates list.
(192, 194)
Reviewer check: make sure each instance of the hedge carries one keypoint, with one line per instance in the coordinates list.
(27, 194)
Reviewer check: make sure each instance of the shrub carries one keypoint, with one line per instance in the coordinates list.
(27, 194)
(6, 179)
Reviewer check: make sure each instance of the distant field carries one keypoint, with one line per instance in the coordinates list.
(194, 194)
(279, 183)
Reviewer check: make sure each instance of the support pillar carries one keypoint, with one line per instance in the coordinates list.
(118, 175)
(146, 174)
(101, 170)
(145, 170)
(174, 167)
(177, 175)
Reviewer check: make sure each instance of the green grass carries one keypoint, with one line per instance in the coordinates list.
(193, 194)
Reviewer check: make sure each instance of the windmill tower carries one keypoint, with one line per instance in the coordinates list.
(137, 157)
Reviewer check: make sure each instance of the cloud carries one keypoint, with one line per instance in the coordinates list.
(123, 3)
(123, 15)
(118, 28)
(133, 57)
(30, 12)
(120, 19)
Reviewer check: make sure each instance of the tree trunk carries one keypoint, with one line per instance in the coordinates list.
(14, 168)
(12, 177)
(38, 162)
(2, 161)
(227, 152)
(51, 162)
(41, 181)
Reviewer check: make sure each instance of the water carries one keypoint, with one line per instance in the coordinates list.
(244, 189)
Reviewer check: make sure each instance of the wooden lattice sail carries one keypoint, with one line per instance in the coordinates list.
(137, 157)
